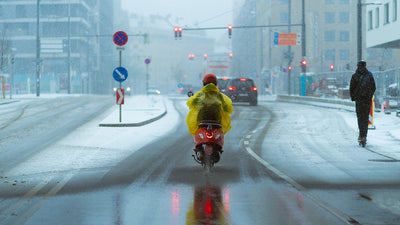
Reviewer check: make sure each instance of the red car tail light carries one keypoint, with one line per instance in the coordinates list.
(243, 79)
(254, 88)
(232, 88)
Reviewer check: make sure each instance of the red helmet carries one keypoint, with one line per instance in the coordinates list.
(210, 78)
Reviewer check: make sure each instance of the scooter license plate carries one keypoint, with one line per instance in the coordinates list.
(209, 149)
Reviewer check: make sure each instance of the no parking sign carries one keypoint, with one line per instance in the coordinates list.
(120, 38)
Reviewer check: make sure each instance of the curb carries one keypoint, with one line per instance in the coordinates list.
(134, 124)
(330, 103)
(8, 102)
(138, 124)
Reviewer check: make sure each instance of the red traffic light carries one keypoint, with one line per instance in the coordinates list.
(205, 55)
(230, 31)
(191, 56)
(332, 67)
(304, 62)
(289, 67)
(231, 54)
(178, 32)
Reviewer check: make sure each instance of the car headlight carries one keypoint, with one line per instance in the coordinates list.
(114, 89)
(128, 89)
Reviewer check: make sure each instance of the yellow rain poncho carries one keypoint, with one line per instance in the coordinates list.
(209, 104)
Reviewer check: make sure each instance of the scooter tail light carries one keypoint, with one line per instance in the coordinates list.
(209, 134)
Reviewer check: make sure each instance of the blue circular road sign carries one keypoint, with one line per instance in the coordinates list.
(120, 38)
(147, 61)
(120, 74)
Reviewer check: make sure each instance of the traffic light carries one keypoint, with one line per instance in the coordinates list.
(230, 31)
(180, 32)
(176, 32)
(191, 56)
(303, 65)
(231, 55)
(289, 68)
(205, 56)
(332, 67)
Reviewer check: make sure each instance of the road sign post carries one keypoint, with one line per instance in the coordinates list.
(120, 74)
(147, 61)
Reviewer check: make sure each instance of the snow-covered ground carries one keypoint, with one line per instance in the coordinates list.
(93, 146)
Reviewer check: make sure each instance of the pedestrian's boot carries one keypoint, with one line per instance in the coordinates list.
(362, 141)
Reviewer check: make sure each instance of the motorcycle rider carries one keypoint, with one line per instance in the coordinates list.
(209, 104)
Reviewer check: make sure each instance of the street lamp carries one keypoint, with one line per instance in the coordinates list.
(359, 26)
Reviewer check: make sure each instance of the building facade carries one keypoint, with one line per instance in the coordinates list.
(74, 52)
(330, 41)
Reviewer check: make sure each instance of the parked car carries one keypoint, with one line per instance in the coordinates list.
(242, 90)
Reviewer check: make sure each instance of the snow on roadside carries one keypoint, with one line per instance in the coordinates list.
(92, 146)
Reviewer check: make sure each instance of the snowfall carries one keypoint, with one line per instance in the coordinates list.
(93, 145)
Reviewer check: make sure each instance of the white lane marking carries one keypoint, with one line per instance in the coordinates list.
(334, 211)
(13, 207)
(32, 210)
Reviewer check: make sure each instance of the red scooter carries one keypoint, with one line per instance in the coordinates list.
(208, 141)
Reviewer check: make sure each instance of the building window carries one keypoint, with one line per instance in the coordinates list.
(344, 54)
(21, 11)
(284, 17)
(376, 17)
(394, 10)
(387, 54)
(329, 2)
(370, 25)
(386, 13)
(284, 2)
(329, 17)
(344, 17)
(330, 54)
(344, 2)
(372, 53)
(344, 36)
(330, 35)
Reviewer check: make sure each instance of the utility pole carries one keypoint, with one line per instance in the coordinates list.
(290, 47)
(37, 49)
(303, 32)
(69, 48)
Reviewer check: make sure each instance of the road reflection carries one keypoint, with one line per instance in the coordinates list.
(210, 206)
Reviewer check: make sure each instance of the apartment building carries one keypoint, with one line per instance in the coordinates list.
(83, 24)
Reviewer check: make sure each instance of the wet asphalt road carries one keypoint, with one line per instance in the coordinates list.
(162, 184)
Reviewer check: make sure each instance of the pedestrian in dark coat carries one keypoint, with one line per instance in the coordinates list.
(362, 89)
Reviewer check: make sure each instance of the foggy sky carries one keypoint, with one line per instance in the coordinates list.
(205, 12)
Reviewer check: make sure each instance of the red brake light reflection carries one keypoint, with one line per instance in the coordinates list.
(224, 78)
(232, 88)
(243, 79)
(254, 88)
